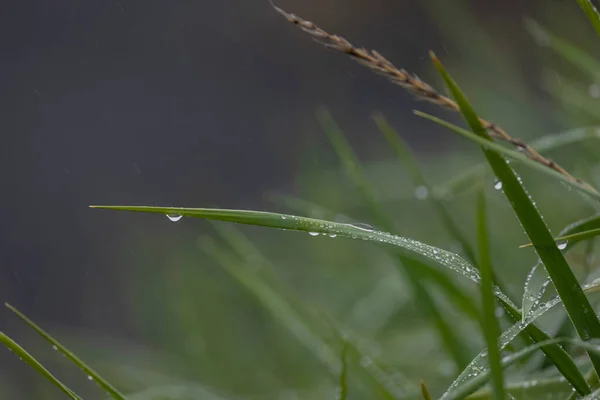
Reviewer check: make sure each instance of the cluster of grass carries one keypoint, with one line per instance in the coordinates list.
(510, 365)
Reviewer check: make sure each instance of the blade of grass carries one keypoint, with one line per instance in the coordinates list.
(453, 343)
(475, 383)
(425, 392)
(574, 299)
(467, 179)
(591, 13)
(576, 237)
(110, 389)
(515, 155)
(408, 246)
(530, 389)
(39, 368)
(577, 231)
(489, 323)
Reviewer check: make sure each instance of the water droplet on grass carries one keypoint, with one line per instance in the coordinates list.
(174, 217)
(422, 192)
(498, 185)
(313, 233)
(562, 244)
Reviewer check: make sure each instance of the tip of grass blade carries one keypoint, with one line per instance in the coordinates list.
(425, 392)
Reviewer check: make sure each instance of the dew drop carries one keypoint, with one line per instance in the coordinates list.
(283, 217)
(422, 192)
(498, 185)
(174, 217)
(313, 233)
(54, 347)
(332, 235)
(90, 377)
(561, 244)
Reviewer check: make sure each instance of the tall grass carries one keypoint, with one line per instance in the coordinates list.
(435, 278)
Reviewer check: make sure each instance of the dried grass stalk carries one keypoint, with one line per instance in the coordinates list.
(413, 84)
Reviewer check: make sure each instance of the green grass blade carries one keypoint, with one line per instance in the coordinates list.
(425, 392)
(438, 256)
(406, 156)
(576, 232)
(490, 325)
(466, 180)
(591, 13)
(453, 343)
(479, 380)
(407, 246)
(512, 154)
(39, 368)
(93, 375)
(574, 299)
(530, 389)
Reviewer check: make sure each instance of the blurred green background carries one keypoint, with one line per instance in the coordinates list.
(194, 310)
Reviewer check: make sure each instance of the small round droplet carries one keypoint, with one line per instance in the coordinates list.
(283, 217)
(174, 217)
(422, 192)
(562, 244)
(498, 185)
(313, 233)
(54, 347)
(90, 377)
(332, 235)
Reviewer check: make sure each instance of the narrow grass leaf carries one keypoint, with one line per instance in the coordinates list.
(490, 325)
(591, 12)
(467, 179)
(574, 299)
(39, 368)
(576, 232)
(476, 382)
(93, 375)
(411, 247)
(425, 392)
(512, 154)
(530, 389)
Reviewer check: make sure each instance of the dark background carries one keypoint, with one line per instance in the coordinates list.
(195, 103)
